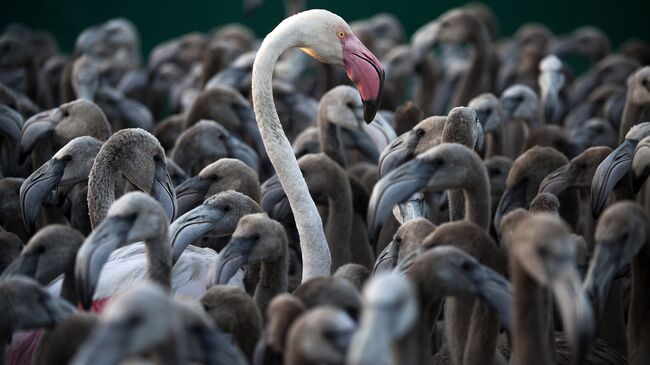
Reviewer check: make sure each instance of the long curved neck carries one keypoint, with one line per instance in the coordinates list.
(105, 183)
(100, 196)
(273, 279)
(159, 259)
(477, 199)
(638, 333)
(330, 142)
(427, 90)
(493, 143)
(630, 117)
(470, 85)
(339, 224)
(482, 336)
(531, 320)
(68, 288)
(315, 252)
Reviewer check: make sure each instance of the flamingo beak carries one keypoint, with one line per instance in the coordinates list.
(367, 73)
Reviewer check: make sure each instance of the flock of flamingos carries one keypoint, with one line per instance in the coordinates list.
(330, 194)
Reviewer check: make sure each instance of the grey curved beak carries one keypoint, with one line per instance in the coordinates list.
(94, 252)
(559, 180)
(395, 154)
(609, 173)
(58, 308)
(274, 201)
(249, 124)
(231, 258)
(36, 129)
(163, 191)
(36, 188)
(576, 312)
(243, 152)
(25, 264)
(361, 141)
(191, 226)
(216, 348)
(387, 259)
(191, 192)
(601, 274)
(513, 197)
(394, 188)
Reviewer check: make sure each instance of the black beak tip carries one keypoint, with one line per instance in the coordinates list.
(370, 108)
(86, 303)
(596, 208)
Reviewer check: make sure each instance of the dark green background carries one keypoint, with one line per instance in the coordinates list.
(163, 19)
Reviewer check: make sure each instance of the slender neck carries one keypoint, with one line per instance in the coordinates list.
(638, 328)
(630, 117)
(414, 348)
(339, 223)
(68, 291)
(482, 336)
(315, 252)
(159, 259)
(330, 142)
(100, 195)
(531, 320)
(273, 279)
(477, 200)
(427, 90)
(471, 328)
(493, 144)
(471, 83)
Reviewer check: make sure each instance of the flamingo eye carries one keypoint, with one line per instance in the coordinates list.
(340, 34)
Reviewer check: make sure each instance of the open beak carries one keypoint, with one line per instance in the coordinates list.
(559, 180)
(191, 226)
(37, 187)
(36, 129)
(191, 193)
(601, 274)
(576, 312)
(414, 207)
(609, 173)
(231, 258)
(366, 72)
(513, 197)
(94, 252)
(394, 188)
(163, 191)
